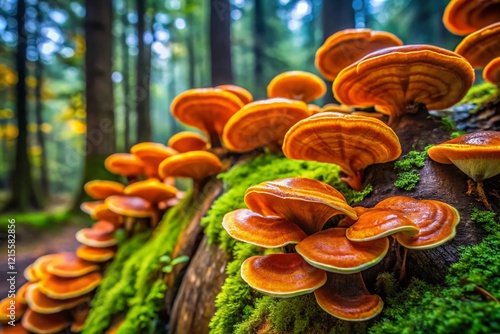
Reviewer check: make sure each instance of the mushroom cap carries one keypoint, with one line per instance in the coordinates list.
(297, 85)
(187, 141)
(334, 107)
(393, 78)
(95, 254)
(152, 154)
(269, 232)
(330, 250)
(40, 303)
(348, 299)
(101, 234)
(313, 108)
(348, 221)
(21, 292)
(100, 189)
(124, 164)
(69, 265)
(89, 207)
(347, 46)
(261, 123)
(482, 46)
(491, 72)
(151, 190)
(477, 154)
(39, 267)
(244, 95)
(5, 313)
(69, 287)
(436, 220)
(207, 109)
(30, 274)
(18, 329)
(281, 275)
(379, 223)
(306, 202)
(196, 165)
(130, 206)
(102, 212)
(463, 17)
(353, 142)
(44, 323)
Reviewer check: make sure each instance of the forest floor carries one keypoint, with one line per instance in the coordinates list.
(33, 242)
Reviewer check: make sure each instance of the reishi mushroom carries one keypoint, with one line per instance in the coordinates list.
(152, 154)
(125, 164)
(244, 95)
(491, 72)
(463, 17)
(187, 141)
(100, 189)
(196, 165)
(296, 85)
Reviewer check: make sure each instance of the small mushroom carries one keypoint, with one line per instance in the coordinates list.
(7, 310)
(306, 202)
(89, 207)
(463, 17)
(491, 72)
(101, 234)
(100, 189)
(196, 165)
(244, 95)
(132, 208)
(262, 124)
(40, 303)
(353, 142)
(282, 275)
(126, 164)
(44, 323)
(482, 46)
(69, 287)
(347, 46)
(403, 78)
(152, 154)
(151, 190)
(187, 141)
(95, 254)
(69, 265)
(476, 154)
(101, 212)
(296, 85)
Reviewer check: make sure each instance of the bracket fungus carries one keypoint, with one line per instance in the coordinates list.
(244, 95)
(349, 45)
(132, 208)
(95, 254)
(39, 302)
(351, 141)
(125, 164)
(187, 141)
(101, 234)
(196, 165)
(491, 72)
(70, 265)
(100, 189)
(296, 85)
(152, 154)
(44, 323)
(463, 17)
(151, 190)
(262, 123)
(69, 287)
(397, 78)
(207, 109)
(476, 154)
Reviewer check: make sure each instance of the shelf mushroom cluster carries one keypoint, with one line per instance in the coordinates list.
(291, 214)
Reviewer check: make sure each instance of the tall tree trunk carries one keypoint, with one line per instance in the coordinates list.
(126, 77)
(258, 46)
(336, 15)
(44, 175)
(143, 77)
(220, 42)
(172, 92)
(23, 193)
(190, 44)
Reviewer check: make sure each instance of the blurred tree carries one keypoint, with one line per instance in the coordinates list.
(259, 31)
(126, 76)
(143, 76)
(220, 42)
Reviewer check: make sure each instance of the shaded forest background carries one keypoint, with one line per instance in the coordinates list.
(80, 80)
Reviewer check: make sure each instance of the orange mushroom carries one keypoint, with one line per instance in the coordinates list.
(347, 46)
(207, 109)
(102, 212)
(306, 202)
(125, 164)
(281, 275)
(353, 142)
(491, 72)
(69, 265)
(463, 17)
(482, 46)
(476, 154)
(151, 190)
(313, 108)
(69, 287)
(11, 309)
(296, 85)
(101, 234)
(100, 189)
(40, 303)
(244, 95)
(152, 154)
(403, 78)
(89, 207)
(262, 123)
(95, 254)
(334, 107)
(196, 165)
(131, 207)
(44, 323)
(187, 141)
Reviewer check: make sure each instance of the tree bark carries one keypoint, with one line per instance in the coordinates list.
(220, 42)
(23, 193)
(258, 45)
(190, 44)
(126, 78)
(143, 77)
(44, 175)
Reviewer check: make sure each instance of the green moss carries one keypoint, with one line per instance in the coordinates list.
(448, 124)
(409, 177)
(407, 180)
(456, 134)
(480, 94)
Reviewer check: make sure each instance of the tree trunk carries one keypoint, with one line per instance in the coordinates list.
(190, 44)
(335, 16)
(126, 78)
(143, 77)
(220, 42)
(23, 193)
(44, 175)
(258, 46)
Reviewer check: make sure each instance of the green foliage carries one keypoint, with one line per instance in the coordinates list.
(480, 94)
(39, 219)
(409, 177)
(169, 264)
(448, 124)
(407, 180)
(456, 134)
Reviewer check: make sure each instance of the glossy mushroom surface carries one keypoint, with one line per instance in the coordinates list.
(187, 141)
(463, 17)
(296, 85)
(195, 165)
(482, 46)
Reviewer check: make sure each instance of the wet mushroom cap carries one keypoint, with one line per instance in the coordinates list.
(152, 154)
(19, 329)
(39, 302)
(244, 95)
(391, 79)
(437, 221)
(196, 165)
(100, 189)
(306, 202)
(124, 164)
(482, 46)
(491, 72)
(187, 141)
(269, 232)
(261, 123)
(281, 275)
(477, 154)
(207, 109)
(296, 85)
(151, 190)
(463, 17)
(350, 141)
(101, 234)
(347, 46)
(330, 250)
(130, 206)
(379, 223)
(69, 265)
(69, 287)
(95, 254)
(44, 323)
